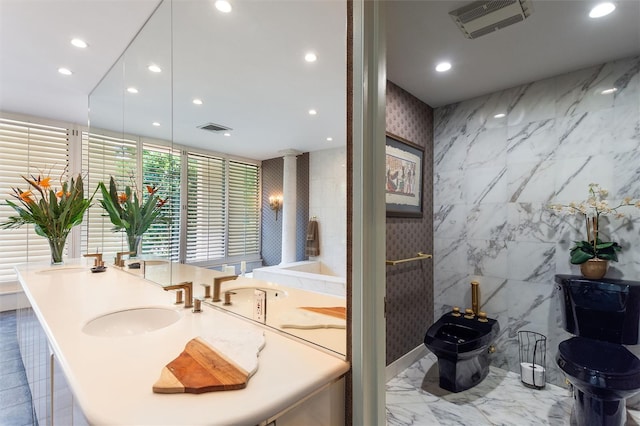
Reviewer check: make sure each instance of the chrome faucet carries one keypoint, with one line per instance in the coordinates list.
(197, 305)
(187, 286)
(475, 297)
(119, 261)
(216, 286)
(227, 297)
(97, 261)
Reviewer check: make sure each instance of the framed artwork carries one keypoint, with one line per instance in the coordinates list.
(403, 182)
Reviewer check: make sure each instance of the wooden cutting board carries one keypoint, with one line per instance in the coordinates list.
(201, 368)
(335, 311)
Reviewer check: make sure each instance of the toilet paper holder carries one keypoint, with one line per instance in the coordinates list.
(533, 358)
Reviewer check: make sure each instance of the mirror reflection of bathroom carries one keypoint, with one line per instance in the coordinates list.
(246, 142)
(519, 118)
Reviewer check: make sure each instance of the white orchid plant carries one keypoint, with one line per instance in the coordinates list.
(592, 209)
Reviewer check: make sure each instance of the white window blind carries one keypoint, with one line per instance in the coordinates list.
(161, 167)
(27, 149)
(244, 209)
(104, 156)
(206, 207)
(222, 210)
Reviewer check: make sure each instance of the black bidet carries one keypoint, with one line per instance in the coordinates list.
(462, 347)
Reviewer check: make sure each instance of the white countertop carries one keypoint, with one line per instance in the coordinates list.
(111, 377)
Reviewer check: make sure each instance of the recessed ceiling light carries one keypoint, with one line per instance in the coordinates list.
(155, 123)
(312, 112)
(197, 101)
(329, 139)
(79, 43)
(310, 57)
(227, 134)
(443, 66)
(609, 91)
(132, 90)
(602, 9)
(154, 68)
(65, 71)
(223, 6)
(501, 115)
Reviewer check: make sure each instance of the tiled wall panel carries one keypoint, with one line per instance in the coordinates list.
(494, 178)
(328, 203)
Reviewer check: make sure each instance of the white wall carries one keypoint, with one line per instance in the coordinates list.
(328, 202)
(494, 178)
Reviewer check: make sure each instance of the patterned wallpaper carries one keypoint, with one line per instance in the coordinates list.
(302, 208)
(410, 285)
(272, 171)
(271, 229)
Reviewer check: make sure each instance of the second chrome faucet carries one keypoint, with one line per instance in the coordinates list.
(187, 286)
(216, 286)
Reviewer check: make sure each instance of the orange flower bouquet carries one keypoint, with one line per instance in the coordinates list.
(52, 212)
(129, 211)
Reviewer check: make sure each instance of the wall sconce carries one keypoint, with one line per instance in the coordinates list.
(275, 202)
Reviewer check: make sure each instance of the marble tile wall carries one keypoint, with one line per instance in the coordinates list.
(493, 180)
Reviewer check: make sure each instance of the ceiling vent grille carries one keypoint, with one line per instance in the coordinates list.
(483, 17)
(212, 127)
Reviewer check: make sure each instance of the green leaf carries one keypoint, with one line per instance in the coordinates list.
(136, 214)
(578, 256)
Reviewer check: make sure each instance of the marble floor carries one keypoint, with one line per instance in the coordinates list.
(414, 398)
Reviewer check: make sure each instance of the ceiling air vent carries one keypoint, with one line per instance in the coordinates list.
(484, 17)
(212, 127)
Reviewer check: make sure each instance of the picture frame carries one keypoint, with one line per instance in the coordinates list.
(404, 164)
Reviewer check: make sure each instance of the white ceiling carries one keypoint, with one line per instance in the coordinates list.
(265, 97)
(247, 67)
(558, 37)
(34, 43)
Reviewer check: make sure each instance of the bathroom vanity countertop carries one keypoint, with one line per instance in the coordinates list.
(112, 377)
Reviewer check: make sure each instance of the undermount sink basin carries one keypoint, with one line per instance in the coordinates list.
(130, 322)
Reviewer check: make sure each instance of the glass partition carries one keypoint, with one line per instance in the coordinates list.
(199, 95)
(131, 106)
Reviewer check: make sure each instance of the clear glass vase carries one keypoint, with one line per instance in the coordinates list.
(56, 244)
(134, 244)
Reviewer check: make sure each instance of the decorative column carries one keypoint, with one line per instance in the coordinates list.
(289, 192)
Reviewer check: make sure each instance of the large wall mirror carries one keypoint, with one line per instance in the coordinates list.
(203, 105)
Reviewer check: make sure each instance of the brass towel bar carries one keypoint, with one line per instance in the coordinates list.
(421, 256)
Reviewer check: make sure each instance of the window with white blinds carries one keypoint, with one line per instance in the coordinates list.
(244, 209)
(104, 156)
(206, 208)
(161, 167)
(223, 208)
(27, 149)
(221, 215)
